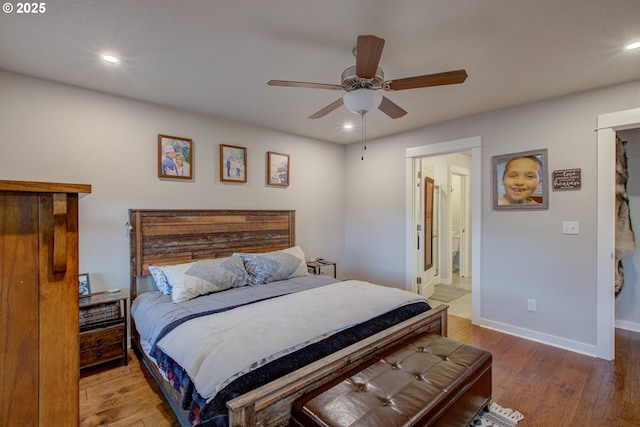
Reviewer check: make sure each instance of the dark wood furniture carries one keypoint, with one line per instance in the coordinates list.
(316, 267)
(429, 381)
(39, 303)
(162, 237)
(103, 329)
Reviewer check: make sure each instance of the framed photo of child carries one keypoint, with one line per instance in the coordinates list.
(84, 286)
(277, 169)
(520, 180)
(233, 163)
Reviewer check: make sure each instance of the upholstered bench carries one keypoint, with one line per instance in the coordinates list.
(430, 381)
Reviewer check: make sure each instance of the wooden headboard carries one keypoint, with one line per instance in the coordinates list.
(162, 237)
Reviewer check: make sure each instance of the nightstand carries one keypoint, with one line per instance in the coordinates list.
(103, 329)
(315, 267)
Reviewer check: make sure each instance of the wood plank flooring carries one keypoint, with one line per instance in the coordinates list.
(549, 386)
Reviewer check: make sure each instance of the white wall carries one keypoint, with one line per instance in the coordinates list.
(524, 254)
(58, 133)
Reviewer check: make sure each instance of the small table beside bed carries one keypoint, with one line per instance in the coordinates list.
(234, 329)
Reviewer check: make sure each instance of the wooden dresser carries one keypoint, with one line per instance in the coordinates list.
(39, 348)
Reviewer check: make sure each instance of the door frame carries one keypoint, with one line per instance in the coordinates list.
(608, 124)
(474, 145)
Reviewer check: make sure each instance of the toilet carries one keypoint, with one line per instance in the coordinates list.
(455, 251)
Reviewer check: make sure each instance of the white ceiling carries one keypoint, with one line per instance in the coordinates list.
(215, 56)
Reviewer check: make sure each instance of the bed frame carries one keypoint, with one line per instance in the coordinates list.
(163, 237)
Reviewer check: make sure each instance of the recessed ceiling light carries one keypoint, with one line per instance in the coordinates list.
(634, 45)
(110, 58)
(348, 126)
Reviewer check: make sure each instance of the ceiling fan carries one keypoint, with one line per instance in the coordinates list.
(363, 81)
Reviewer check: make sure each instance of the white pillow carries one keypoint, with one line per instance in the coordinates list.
(204, 277)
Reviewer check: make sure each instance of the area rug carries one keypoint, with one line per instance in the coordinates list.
(497, 416)
(447, 293)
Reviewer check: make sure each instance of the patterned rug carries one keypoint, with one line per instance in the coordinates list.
(447, 293)
(498, 417)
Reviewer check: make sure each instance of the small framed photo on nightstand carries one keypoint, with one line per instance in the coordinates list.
(84, 287)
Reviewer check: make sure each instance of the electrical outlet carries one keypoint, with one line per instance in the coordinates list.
(531, 305)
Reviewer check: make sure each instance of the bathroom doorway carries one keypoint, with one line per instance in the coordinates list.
(460, 201)
(448, 163)
(443, 221)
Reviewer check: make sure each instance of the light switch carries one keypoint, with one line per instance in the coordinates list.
(570, 227)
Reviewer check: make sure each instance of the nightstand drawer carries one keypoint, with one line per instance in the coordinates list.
(101, 354)
(101, 337)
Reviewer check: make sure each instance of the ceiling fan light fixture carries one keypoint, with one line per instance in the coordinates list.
(110, 58)
(632, 46)
(361, 101)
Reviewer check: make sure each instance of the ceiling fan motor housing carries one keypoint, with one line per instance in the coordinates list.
(350, 81)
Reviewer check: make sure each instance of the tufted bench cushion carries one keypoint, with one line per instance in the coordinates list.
(430, 381)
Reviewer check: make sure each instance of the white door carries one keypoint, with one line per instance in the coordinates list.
(424, 274)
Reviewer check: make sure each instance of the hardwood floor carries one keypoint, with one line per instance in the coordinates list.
(549, 386)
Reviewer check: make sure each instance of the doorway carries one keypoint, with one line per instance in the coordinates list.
(627, 309)
(412, 271)
(443, 240)
(459, 178)
(608, 124)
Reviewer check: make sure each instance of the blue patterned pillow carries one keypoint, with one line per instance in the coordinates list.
(274, 266)
(161, 280)
(203, 277)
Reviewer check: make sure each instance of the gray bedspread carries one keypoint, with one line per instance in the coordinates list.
(153, 311)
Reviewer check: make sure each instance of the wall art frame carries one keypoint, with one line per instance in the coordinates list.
(278, 169)
(520, 180)
(84, 285)
(175, 157)
(233, 163)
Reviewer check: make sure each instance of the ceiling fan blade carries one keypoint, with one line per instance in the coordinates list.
(287, 83)
(326, 110)
(439, 79)
(391, 109)
(368, 53)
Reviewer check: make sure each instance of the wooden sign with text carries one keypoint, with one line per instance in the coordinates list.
(567, 179)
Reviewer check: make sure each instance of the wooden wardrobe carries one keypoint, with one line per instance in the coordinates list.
(39, 356)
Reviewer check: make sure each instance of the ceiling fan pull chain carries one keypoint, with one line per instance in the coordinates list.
(363, 132)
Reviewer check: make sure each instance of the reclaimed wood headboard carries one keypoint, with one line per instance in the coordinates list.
(162, 237)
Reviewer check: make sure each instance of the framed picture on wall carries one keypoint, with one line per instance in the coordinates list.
(278, 169)
(175, 157)
(520, 180)
(233, 163)
(84, 287)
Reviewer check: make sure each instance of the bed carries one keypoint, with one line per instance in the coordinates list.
(263, 394)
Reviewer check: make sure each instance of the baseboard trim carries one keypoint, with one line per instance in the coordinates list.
(565, 344)
(627, 325)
